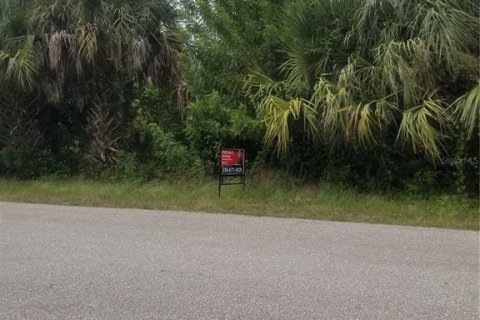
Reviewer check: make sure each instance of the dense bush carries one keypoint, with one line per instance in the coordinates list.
(214, 122)
(155, 151)
(23, 149)
(155, 104)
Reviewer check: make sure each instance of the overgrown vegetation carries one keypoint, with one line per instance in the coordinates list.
(373, 95)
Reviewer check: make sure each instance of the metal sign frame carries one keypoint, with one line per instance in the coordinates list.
(222, 175)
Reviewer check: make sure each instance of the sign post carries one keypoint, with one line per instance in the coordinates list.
(232, 164)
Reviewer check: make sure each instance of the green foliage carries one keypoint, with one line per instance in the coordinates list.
(161, 157)
(366, 80)
(468, 110)
(226, 39)
(378, 168)
(27, 163)
(154, 104)
(214, 122)
(171, 157)
(158, 154)
(418, 127)
(423, 183)
(376, 94)
(83, 59)
(79, 62)
(373, 73)
(127, 167)
(22, 144)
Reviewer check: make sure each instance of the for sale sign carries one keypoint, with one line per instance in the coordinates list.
(232, 162)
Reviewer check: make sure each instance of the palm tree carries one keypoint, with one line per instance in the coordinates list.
(359, 69)
(79, 52)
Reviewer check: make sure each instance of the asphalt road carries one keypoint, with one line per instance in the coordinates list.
(59, 262)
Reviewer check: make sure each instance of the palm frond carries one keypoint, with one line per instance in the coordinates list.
(446, 29)
(141, 52)
(58, 43)
(313, 37)
(422, 127)
(115, 53)
(467, 109)
(370, 23)
(48, 15)
(278, 114)
(22, 67)
(258, 85)
(124, 21)
(86, 37)
(402, 66)
(4, 55)
(326, 99)
(362, 124)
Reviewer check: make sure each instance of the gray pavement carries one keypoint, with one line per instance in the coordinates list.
(60, 262)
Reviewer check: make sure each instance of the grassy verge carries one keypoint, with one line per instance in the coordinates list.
(261, 199)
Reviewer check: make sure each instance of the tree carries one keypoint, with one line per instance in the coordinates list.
(228, 39)
(82, 59)
(391, 70)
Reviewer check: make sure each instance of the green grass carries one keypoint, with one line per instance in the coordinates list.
(260, 198)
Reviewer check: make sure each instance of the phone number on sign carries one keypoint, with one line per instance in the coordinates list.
(237, 170)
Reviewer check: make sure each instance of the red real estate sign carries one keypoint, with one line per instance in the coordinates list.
(232, 162)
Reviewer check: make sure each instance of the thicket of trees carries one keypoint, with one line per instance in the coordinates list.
(372, 93)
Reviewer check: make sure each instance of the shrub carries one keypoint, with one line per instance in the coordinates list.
(155, 106)
(27, 163)
(23, 152)
(214, 122)
(170, 156)
(423, 183)
(157, 153)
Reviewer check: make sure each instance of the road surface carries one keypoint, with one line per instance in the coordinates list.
(60, 262)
